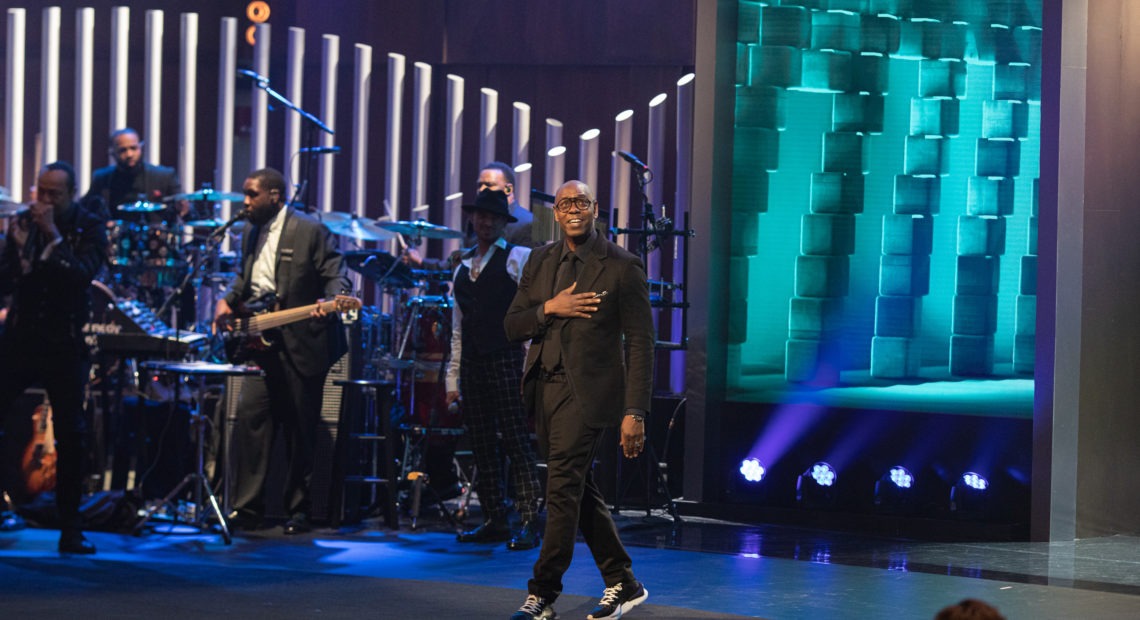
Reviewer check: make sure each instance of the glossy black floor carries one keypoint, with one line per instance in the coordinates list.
(698, 568)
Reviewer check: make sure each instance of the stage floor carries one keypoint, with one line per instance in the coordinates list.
(696, 569)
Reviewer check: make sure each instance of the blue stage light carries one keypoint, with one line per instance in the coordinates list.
(975, 481)
(894, 491)
(901, 477)
(823, 474)
(752, 469)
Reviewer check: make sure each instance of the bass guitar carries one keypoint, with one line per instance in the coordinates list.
(252, 334)
(38, 464)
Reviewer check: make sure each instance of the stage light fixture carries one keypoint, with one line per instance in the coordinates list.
(815, 488)
(970, 495)
(752, 469)
(895, 490)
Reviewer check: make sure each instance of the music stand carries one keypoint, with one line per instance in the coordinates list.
(202, 490)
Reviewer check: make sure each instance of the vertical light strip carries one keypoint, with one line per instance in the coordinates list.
(553, 133)
(489, 123)
(14, 143)
(522, 184)
(362, 85)
(330, 60)
(684, 179)
(453, 207)
(453, 161)
(152, 87)
(588, 144)
(84, 95)
(187, 126)
(655, 159)
(555, 177)
(421, 117)
(224, 157)
(295, 91)
(520, 140)
(259, 102)
(619, 174)
(49, 85)
(120, 66)
(395, 122)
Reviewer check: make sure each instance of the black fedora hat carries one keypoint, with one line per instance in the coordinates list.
(492, 201)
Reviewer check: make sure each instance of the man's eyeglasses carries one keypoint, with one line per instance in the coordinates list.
(570, 205)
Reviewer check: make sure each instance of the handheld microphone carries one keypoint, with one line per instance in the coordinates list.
(241, 215)
(634, 161)
(319, 149)
(253, 75)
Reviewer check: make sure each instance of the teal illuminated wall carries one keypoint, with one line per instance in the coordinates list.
(883, 243)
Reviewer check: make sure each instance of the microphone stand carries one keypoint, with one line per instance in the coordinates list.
(211, 247)
(314, 122)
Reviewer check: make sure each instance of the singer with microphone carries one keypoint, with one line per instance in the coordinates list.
(486, 370)
(130, 180)
(290, 257)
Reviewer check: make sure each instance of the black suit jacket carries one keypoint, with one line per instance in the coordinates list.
(608, 357)
(309, 267)
(111, 187)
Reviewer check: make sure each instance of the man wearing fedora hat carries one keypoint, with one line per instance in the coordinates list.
(486, 369)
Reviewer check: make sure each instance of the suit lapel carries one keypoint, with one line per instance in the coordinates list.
(592, 267)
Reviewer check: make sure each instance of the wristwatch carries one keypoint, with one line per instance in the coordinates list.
(637, 416)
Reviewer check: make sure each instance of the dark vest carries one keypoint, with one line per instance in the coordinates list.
(484, 303)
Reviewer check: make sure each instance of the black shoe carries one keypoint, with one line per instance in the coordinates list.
(73, 541)
(535, 608)
(527, 537)
(298, 524)
(10, 522)
(241, 520)
(489, 532)
(619, 599)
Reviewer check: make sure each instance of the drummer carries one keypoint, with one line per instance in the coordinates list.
(131, 180)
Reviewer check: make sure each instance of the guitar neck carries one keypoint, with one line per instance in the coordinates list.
(262, 322)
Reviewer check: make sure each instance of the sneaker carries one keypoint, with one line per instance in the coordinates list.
(617, 600)
(535, 608)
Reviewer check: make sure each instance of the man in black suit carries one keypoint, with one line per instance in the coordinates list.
(291, 256)
(131, 180)
(583, 302)
(54, 249)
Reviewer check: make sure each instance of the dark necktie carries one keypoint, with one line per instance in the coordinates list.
(552, 345)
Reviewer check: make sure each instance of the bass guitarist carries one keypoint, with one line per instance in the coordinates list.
(290, 257)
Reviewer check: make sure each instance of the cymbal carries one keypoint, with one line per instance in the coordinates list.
(356, 228)
(142, 206)
(380, 267)
(421, 228)
(207, 194)
(11, 209)
(212, 223)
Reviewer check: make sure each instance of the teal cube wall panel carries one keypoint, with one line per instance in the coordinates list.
(998, 158)
(813, 361)
(926, 155)
(738, 322)
(870, 73)
(822, 276)
(906, 235)
(917, 194)
(836, 30)
(817, 5)
(854, 112)
(1028, 40)
(786, 25)
(745, 233)
(974, 315)
(971, 356)
(981, 236)
(880, 33)
(1005, 118)
(989, 196)
(749, 190)
(1028, 275)
(850, 6)
(743, 60)
(825, 234)
(933, 117)
(904, 275)
(1011, 13)
(738, 270)
(844, 151)
(748, 21)
(997, 44)
(760, 106)
(1032, 241)
(977, 275)
(941, 78)
(1033, 199)
(1025, 315)
(773, 65)
(1024, 353)
(836, 192)
(898, 316)
(895, 8)
(1012, 82)
(756, 148)
(895, 358)
(826, 71)
(932, 40)
(815, 318)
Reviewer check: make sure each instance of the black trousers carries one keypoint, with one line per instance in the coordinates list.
(62, 370)
(282, 399)
(573, 501)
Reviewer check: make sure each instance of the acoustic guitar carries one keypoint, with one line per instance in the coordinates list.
(38, 464)
(253, 334)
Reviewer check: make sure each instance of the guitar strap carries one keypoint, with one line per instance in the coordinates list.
(285, 258)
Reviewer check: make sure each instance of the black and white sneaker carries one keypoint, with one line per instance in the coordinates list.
(535, 608)
(619, 599)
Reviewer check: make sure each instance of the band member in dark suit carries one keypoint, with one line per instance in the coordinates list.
(54, 249)
(583, 302)
(130, 180)
(291, 256)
